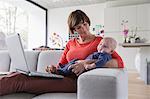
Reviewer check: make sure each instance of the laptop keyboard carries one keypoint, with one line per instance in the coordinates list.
(45, 75)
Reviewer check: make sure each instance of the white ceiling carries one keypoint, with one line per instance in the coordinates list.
(50, 4)
(66, 3)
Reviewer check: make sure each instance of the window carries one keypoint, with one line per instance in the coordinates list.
(25, 18)
(13, 20)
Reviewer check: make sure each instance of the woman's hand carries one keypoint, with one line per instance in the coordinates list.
(112, 64)
(78, 68)
(51, 69)
(90, 66)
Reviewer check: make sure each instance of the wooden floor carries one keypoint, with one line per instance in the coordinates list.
(136, 87)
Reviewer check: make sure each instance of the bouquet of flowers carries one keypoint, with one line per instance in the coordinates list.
(125, 33)
(125, 30)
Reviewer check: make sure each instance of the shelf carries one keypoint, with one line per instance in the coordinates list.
(44, 49)
(135, 44)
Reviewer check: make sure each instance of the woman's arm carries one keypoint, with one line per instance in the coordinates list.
(63, 59)
(109, 64)
(112, 64)
(78, 68)
(83, 65)
(119, 60)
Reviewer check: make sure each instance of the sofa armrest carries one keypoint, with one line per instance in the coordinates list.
(103, 83)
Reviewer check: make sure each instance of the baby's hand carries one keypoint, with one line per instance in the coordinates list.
(51, 69)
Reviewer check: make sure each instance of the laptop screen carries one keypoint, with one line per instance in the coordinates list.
(16, 52)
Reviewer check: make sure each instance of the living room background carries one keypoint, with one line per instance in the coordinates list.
(96, 12)
(57, 23)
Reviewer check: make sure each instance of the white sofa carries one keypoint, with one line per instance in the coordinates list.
(95, 84)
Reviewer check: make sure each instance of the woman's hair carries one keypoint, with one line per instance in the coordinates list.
(76, 17)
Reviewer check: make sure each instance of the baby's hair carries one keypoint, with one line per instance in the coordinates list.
(111, 41)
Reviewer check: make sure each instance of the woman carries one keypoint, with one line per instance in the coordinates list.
(79, 48)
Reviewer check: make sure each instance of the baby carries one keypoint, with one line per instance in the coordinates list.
(96, 60)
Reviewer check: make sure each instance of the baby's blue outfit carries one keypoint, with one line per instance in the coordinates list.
(102, 58)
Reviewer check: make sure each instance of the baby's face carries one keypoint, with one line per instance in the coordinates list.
(104, 46)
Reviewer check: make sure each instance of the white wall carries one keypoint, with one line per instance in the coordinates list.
(128, 54)
(37, 27)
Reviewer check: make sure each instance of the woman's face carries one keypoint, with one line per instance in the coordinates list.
(82, 29)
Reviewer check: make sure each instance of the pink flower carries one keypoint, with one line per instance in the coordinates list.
(125, 32)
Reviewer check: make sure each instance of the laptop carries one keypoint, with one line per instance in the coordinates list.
(18, 58)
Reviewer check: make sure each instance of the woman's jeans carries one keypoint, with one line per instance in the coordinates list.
(17, 82)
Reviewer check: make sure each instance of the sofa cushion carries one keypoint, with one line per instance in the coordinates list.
(18, 96)
(57, 96)
(48, 58)
(4, 61)
(32, 58)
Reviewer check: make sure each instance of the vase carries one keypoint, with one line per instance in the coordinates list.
(125, 40)
(132, 40)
